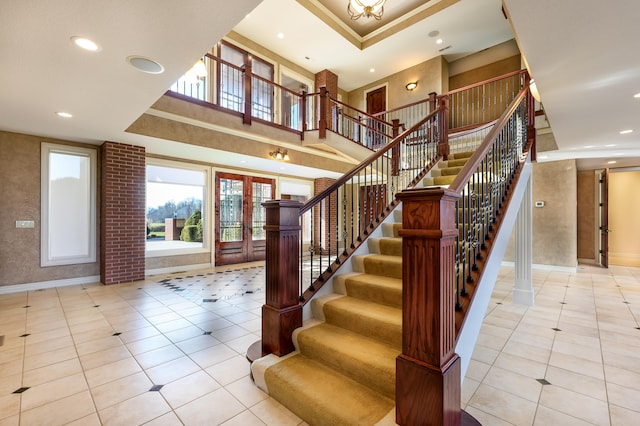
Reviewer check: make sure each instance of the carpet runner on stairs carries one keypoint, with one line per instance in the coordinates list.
(343, 369)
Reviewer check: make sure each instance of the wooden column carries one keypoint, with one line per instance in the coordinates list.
(248, 81)
(443, 125)
(428, 370)
(323, 115)
(282, 313)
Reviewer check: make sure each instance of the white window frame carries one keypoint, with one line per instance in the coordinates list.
(46, 257)
(206, 210)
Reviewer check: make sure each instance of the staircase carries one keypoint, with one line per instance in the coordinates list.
(343, 369)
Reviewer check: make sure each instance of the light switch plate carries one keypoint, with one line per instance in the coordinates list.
(24, 224)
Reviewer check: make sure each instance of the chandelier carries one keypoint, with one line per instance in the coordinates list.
(366, 8)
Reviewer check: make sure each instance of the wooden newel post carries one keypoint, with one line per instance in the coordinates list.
(443, 124)
(428, 370)
(282, 313)
(323, 120)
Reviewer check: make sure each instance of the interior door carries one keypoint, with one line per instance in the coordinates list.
(603, 215)
(376, 102)
(240, 217)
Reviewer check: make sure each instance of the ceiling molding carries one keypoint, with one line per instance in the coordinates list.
(401, 23)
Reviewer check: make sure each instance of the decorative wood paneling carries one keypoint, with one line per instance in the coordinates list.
(281, 313)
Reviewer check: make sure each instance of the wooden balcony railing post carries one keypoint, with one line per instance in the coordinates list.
(303, 112)
(247, 92)
(323, 119)
(395, 152)
(531, 114)
(428, 370)
(281, 314)
(443, 125)
(433, 101)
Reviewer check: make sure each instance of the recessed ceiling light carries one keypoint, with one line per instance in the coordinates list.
(439, 41)
(637, 95)
(372, 70)
(85, 43)
(64, 114)
(145, 64)
(626, 132)
(280, 35)
(611, 162)
(611, 145)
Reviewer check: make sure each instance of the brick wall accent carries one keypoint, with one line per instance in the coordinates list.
(122, 213)
(329, 211)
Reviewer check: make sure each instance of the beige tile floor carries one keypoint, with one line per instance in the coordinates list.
(95, 354)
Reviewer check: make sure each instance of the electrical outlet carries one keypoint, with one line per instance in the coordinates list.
(24, 224)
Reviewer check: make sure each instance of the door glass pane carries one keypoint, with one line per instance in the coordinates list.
(261, 193)
(230, 210)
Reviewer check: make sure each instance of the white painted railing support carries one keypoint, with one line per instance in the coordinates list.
(523, 287)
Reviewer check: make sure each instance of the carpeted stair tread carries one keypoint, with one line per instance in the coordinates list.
(456, 163)
(384, 265)
(321, 396)
(381, 322)
(459, 155)
(450, 171)
(443, 180)
(391, 246)
(384, 290)
(368, 361)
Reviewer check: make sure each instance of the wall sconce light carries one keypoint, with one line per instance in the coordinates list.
(534, 90)
(280, 155)
(411, 85)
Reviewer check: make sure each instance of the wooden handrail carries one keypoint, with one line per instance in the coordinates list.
(345, 178)
(487, 81)
(359, 111)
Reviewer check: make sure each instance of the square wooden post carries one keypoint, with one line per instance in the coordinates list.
(428, 370)
(281, 313)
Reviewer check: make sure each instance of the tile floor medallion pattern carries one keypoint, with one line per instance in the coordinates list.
(170, 350)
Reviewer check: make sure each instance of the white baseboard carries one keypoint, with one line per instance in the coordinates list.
(172, 269)
(40, 285)
(555, 268)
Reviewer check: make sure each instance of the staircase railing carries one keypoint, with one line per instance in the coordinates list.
(236, 90)
(339, 217)
(447, 237)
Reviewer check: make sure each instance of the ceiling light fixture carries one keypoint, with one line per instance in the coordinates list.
(637, 95)
(411, 85)
(85, 43)
(611, 162)
(280, 155)
(366, 8)
(64, 114)
(626, 132)
(439, 41)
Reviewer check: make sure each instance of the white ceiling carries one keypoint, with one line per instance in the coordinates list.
(581, 54)
(583, 57)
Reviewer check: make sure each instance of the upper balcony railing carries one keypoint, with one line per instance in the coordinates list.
(237, 90)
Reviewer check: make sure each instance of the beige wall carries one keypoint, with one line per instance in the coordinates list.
(20, 195)
(586, 215)
(624, 205)
(554, 225)
(431, 76)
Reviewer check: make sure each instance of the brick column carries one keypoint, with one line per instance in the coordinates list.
(122, 215)
(323, 234)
